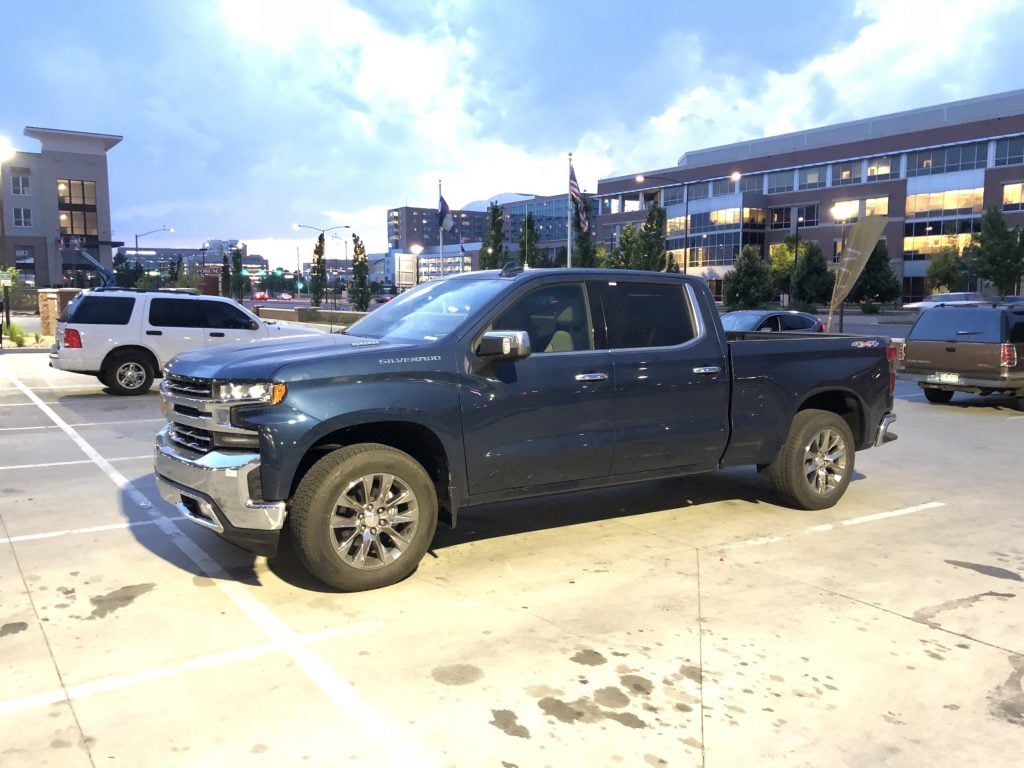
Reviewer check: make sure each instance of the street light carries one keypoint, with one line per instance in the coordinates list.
(843, 212)
(323, 231)
(143, 234)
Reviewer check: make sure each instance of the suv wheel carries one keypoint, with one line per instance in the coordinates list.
(127, 373)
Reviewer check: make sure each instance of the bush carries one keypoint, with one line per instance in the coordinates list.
(868, 308)
(16, 334)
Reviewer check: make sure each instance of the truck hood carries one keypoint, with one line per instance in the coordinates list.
(260, 361)
(278, 329)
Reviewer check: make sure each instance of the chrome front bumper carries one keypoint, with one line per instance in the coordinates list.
(213, 490)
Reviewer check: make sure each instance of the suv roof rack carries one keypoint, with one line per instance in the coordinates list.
(192, 291)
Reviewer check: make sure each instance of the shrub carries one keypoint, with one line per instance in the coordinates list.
(868, 308)
(16, 334)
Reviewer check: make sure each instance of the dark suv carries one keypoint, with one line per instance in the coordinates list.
(977, 348)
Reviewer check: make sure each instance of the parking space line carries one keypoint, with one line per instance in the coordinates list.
(81, 424)
(318, 670)
(76, 461)
(74, 531)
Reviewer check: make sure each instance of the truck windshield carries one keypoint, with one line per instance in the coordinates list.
(959, 324)
(429, 311)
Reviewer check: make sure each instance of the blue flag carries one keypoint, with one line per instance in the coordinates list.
(444, 216)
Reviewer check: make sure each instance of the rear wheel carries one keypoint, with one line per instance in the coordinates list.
(363, 517)
(814, 466)
(127, 373)
(939, 396)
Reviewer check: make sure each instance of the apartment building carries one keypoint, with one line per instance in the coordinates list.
(56, 203)
(932, 171)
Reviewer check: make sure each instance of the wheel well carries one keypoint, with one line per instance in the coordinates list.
(414, 439)
(844, 405)
(149, 357)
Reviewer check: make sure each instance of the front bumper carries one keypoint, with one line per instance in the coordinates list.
(215, 490)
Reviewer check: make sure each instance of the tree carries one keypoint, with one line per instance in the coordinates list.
(225, 276)
(812, 282)
(359, 290)
(629, 251)
(237, 279)
(749, 285)
(584, 249)
(652, 239)
(318, 274)
(492, 250)
(946, 269)
(783, 259)
(529, 254)
(996, 253)
(878, 282)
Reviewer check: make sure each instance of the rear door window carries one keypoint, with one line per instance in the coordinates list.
(175, 313)
(959, 324)
(650, 315)
(795, 322)
(102, 310)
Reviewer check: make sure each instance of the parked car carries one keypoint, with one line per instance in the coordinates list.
(977, 348)
(769, 320)
(491, 386)
(382, 298)
(259, 296)
(285, 296)
(944, 298)
(125, 337)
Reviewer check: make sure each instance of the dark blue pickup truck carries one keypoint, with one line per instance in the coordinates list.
(495, 385)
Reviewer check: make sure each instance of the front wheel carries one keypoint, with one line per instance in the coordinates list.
(814, 466)
(363, 517)
(938, 396)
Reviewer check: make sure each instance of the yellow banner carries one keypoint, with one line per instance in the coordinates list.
(859, 244)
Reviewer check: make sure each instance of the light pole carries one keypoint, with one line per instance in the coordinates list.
(143, 234)
(842, 212)
(298, 259)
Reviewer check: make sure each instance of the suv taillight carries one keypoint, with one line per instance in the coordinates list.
(1008, 356)
(72, 339)
(890, 355)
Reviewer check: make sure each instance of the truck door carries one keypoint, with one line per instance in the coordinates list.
(671, 378)
(547, 418)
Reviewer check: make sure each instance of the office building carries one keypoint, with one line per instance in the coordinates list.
(931, 171)
(56, 203)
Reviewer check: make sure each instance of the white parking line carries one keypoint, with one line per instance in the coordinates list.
(373, 723)
(74, 531)
(81, 424)
(70, 463)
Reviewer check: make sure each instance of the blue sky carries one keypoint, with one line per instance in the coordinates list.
(241, 117)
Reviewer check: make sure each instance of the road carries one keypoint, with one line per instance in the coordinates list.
(678, 623)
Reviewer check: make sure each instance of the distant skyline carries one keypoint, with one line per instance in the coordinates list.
(242, 117)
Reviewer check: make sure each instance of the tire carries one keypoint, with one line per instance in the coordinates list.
(345, 536)
(938, 396)
(127, 373)
(814, 466)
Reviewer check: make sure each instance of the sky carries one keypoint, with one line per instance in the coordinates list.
(241, 118)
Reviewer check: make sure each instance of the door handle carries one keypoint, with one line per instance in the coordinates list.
(154, 333)
(591, 376)
(218, 334)
(707, 370)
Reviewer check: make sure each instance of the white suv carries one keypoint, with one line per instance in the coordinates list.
(125, 337)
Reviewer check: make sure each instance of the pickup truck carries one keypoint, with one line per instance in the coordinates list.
(498, 385)
(976, 348)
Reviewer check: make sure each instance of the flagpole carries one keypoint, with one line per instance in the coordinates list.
(568, 222)
(440, 231)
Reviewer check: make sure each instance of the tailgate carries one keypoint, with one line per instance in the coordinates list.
(962, 357)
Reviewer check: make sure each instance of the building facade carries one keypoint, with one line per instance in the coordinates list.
(931, 171)
(409, 228)
(56, 203)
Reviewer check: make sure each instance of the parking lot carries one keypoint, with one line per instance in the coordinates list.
(677, 623)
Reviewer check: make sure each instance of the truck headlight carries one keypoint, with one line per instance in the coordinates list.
(260, 391)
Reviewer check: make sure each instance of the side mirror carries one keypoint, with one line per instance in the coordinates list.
(504, 345)
(254, 325)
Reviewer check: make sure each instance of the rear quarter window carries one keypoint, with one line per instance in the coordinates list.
(981, 324)
(101, 310)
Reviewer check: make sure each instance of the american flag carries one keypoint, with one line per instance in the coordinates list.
(574, 193)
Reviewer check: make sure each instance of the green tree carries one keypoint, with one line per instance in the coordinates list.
(238, 281)
(783, 259)
(318, 274)
(529, 254)
(878, 282)
(492, 249)
(629, 250)
(749, 285)
(126, 273)
(946, 269)
(226, 283)
(996, 254)
(359, 290)
(812, 282)
(652, 239)
(584, 249)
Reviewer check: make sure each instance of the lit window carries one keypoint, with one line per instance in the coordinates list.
(1013, 197)
(876, 206)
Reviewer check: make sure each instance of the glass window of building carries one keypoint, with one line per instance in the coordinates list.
(883, 168)
(721, 187)
(812, 178)
(876, 206)
(20, 185)
(23, 217)
(780, 181)
(698, 191)
(1013, 197)
(673, 195)
(807, 215)
(1010, 151)
(780, 218)
(753, 217)
(954, 202)
(752, 183)
(962, 157)
(847, 173)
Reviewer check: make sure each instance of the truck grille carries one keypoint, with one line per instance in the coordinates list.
(187, 387)
(192, 438)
